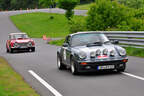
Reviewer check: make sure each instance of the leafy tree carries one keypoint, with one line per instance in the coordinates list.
(77, 24)
(133, 3)
(86, 1)
(68, 5)
(47, 3)
(106, 14)
(5, 4)
(139, 13)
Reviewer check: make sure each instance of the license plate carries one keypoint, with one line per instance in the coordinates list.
(23, 47)
(106, 67)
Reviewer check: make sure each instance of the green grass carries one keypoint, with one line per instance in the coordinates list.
(57, 42)
(38, 24)
(83, 6)
(135, 51)
(130, 50)
(11, 83)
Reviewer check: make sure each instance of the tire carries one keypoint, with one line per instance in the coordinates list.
(11, 50)
(33, 49)
(122, 69)
(60, 65)
(73, 67)
(7, 50)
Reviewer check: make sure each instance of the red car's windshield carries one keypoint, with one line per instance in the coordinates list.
(19, 36)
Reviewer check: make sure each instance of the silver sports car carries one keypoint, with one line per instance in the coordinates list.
(91, 51)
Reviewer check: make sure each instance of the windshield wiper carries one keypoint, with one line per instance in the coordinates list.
(107, 42)
(94, 44)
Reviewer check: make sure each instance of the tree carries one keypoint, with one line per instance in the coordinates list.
(106, 14)
(5, 4)
(68, 5)
(133, 3)
(47, 3)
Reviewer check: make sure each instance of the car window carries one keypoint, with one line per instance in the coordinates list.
(17, 36)
(9, 37)
(86, 38)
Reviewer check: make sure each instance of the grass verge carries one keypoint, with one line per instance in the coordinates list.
(38, 24)
(130, 50)
(139, 52)
(11, 83)
(83, 6)
(57, 42)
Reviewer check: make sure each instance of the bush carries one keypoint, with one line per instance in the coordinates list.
(132, 3)
(106, 14)
(77, 25)
(139, 13)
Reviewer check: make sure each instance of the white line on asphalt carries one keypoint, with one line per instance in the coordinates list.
(134, 76)
(54, 91)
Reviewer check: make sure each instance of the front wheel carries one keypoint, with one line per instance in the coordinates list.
(74, 70)
(33, 49)
(60, 65)
(11, 50)
(7, 50)
(122, 69)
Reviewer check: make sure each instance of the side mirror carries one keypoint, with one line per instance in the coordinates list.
(115, 42)
(65, 45)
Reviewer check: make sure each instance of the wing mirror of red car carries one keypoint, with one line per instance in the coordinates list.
(65, 45)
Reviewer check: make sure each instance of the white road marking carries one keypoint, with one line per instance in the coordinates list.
(134, 76)
(48, 86)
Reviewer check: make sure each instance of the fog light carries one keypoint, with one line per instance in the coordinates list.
(83, 63)
(88, 67)
(125, 60)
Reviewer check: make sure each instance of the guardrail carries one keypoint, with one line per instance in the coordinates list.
(127, 38)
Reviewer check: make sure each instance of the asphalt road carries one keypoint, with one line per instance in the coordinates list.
(43, 63)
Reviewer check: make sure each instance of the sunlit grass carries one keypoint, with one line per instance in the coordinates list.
(11, 83)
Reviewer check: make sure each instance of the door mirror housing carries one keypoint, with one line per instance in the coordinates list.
(115, 42)
(65, 45)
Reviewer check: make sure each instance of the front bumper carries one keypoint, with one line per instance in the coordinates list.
(23, 48)
(93, 65)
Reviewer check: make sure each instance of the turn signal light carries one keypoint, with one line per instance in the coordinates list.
(125, 60)
(83, 63)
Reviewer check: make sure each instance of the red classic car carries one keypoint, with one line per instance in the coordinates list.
(19, 41)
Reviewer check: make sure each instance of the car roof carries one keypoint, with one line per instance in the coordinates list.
(87, 32)
(16, 33)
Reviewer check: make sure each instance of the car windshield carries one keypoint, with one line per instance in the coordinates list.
(88, 38)
(19, 36)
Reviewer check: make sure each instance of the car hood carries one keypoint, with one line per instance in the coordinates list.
(22, 40)
(87, 50)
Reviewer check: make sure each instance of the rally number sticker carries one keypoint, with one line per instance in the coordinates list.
(64, 54)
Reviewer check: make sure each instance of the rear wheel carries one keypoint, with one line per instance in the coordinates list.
(60, 65)
(122, 69)
(74, 70)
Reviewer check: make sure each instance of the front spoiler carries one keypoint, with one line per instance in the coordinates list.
(92, 65)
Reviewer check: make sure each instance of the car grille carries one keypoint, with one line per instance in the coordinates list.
(23, 44)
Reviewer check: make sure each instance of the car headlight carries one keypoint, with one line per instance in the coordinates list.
(122, 52)
(92, 54)
(98, 52)
(16, 45)
(105, 51)
(29, 44)
(82, 55)
(112, 53)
